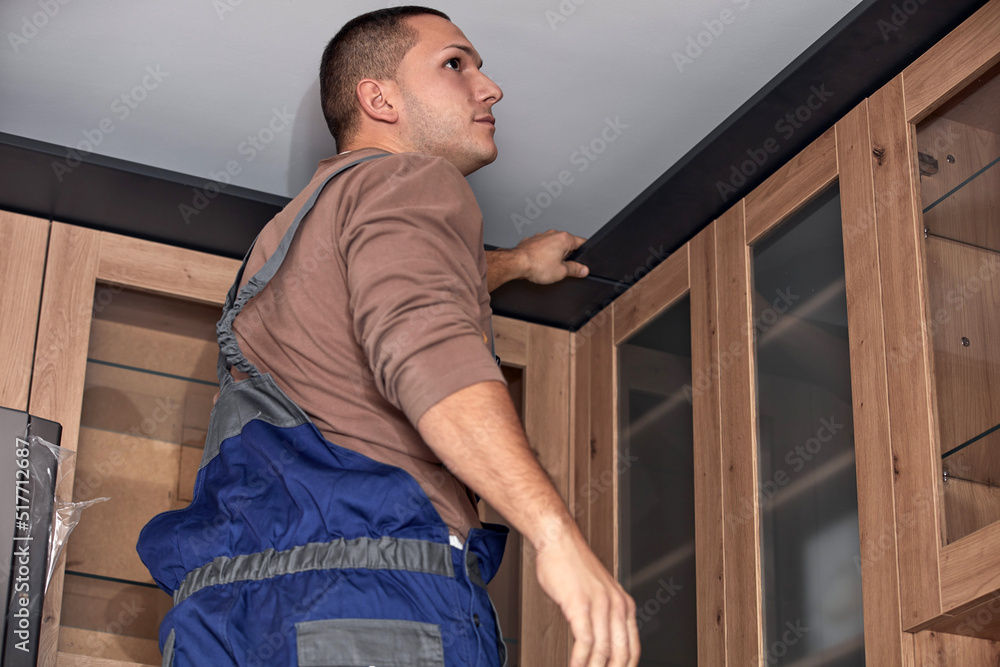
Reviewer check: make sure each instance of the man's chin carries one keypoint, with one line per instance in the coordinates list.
(488, 158)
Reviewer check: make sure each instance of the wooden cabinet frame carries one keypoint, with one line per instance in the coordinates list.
(544, 355)
(688, 271)
(811, 172)
(23, 242)
(77, 259)
(962, 578)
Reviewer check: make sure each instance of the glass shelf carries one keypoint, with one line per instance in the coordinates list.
(952, 452)
(959, 147)
(958, 188)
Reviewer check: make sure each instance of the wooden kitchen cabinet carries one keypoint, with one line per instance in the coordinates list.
(936, 133)
(124, 358)
(908, 363)
(899, 325)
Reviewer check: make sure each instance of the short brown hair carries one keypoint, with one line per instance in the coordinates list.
(370, 46)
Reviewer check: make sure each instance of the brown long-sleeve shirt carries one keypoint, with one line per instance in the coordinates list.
(379, 311)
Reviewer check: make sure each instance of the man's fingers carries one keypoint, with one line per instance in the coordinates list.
(575, 241)
(600, 616)
(621, 650)
(632, 630)
(576, 270)
(583, 641)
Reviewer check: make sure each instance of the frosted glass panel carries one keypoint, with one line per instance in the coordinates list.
(807, 489)
(656, 486)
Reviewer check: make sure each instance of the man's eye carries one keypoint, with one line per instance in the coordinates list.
(454, 63)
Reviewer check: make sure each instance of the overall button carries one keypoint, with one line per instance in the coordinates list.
(475, 619)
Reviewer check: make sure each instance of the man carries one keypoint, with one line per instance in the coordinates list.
(377, 327)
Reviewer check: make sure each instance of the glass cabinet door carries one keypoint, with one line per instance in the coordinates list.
(807, 489)
(147, 397)
(958, 154)
(125, 361)
(656, 486)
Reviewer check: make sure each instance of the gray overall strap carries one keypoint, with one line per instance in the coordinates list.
(230, 355)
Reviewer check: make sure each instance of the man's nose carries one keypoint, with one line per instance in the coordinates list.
(491, 91)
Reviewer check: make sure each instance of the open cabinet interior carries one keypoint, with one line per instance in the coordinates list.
(959, 162)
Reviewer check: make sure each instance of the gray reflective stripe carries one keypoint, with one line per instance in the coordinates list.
(472, 568)
(365, 641)
(384, 553)
(168, 650)
(254, 398)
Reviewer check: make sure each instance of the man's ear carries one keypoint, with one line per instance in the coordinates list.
(376, 99)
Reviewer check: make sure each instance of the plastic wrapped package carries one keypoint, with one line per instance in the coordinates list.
(42, 524)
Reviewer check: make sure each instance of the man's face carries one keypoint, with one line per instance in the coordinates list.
(446, 99)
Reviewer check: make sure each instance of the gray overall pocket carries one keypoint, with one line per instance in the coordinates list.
(361, 642)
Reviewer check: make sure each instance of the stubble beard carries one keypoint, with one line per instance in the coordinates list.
(430, 135)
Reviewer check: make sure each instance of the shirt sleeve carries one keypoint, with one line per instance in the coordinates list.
(414, 258)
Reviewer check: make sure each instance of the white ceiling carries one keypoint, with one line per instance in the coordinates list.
(567, 68)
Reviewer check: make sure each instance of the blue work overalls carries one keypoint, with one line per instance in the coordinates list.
(296, 551)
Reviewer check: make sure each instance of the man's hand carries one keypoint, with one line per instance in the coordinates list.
(601, 615)
(540, 259)
(477, 435)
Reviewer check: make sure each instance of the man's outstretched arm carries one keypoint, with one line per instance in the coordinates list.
(476, 434)
(540, 259)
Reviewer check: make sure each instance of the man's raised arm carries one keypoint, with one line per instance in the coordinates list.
(540, 259)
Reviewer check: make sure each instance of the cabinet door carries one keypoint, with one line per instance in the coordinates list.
(791, 484)
(648, 458)
(936, 185)
(125, 361)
